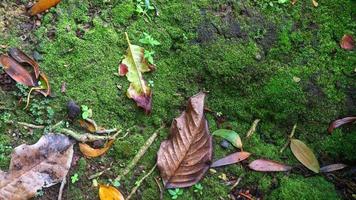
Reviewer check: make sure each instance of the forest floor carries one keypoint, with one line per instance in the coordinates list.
(255, 59)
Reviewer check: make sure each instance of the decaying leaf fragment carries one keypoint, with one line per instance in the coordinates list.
(263, 165)
(35, 166)
(109, 193)
(339, 122)
(305, 155)
(43, 5)
(133, 65)
(347, 42)
(230, 136)
(184, 158)
(231, 159)
(90, 152)
(332, 167)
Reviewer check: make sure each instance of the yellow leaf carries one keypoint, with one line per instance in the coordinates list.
(305, 155)
(315, 3)
(90, 152)
(109, 193)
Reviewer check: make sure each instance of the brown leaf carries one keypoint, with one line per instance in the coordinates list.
(347, 42)
(35, 166)
(231, 159)
(263, 165)
(90, 152)
(43, 5)
(16, 71)
(305, 155)
(339, 122)
(332, 167)
(109, 193)
(22, 59)
(184, 158)
(88, 124)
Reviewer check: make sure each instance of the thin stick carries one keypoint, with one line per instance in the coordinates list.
(160, 188)
(138, 184)
(88, 137)
(253, 128)
(96, 175)
(236, 183)
(27, 125)
(106, 131)
(289, 138)
(138, 156)
(64, 181)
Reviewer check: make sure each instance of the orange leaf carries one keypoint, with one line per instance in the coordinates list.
(90, 152)
(16, 71)
(305, 155)
(43, 5)
(88, 124)
(109, 193)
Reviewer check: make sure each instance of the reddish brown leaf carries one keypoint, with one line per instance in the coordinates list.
(231, 159)
(263, 165)
(43, 5)
(339, 122)
(16, 71)
(332, 167)
(184, 158)
(35, 166)
(22, 58)
(123, 69)
(347, 42)
(90, 152)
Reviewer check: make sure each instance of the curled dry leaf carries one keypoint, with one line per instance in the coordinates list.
(339, 122)
(230, 136)
(133, 65)
(45, 86)
(305, 155)
(347, 42)
(36, 166)
(109, 193)
(24, 59)
(16, 71)
(90, 152)
(332, 167)
(263, 165)
(88, 124)
(231, 159)
(185, 157)
(43, 5)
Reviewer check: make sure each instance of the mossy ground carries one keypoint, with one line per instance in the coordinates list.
(246, 54)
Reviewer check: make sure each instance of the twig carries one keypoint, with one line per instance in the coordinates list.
(253, 128)
(122, 137)
(64, 181)
(27, 125)
(138, 156)
(60, 123)
(138, 184)
(106, 131)
(88, 137)
(236, 183)
(289, 138)
(96, 175)
(160, 188)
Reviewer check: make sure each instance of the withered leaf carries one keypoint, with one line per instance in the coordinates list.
(347, 42)
(16, 71)
(184, 158)
(36, 166)
(305, 155)
(263, 165)
(332, 167)
(231, 159)
(339, 122)
(22, 58)
(109, 193)
(43, 5)
(90, 152)
(88, 124)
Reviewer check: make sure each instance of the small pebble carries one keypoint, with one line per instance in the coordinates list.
(225, 144)
(258, 56)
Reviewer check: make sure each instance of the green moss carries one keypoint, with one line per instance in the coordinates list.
(122, 13)
(304, 188)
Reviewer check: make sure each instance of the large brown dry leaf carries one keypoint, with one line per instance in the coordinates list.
(24, 59)
(339, 122)
(35, 166)
(231, 159)
(263, 165)
(16, 71)
(184, 158)
(305, 155)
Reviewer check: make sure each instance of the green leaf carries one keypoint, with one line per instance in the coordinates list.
(230, 136)
(171, 192)
(283, 1)
(85, 115)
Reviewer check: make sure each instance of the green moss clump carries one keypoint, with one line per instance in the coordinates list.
(123, 12)
(300, 188)
(128, 148)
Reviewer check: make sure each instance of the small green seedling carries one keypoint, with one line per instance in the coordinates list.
(149, 56)
(198, 188)
(175, 193)
(143, 7)
(149, 40)
(74, 178)
(115, 183)
(151, 83)
(86, 112)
